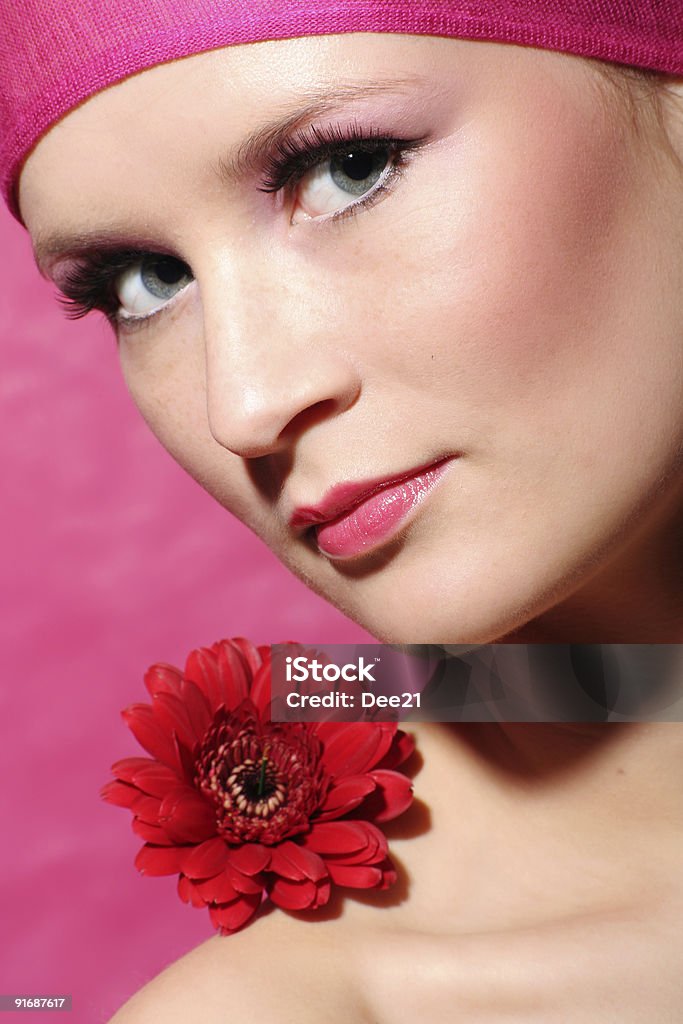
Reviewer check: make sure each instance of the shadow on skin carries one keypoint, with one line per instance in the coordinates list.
(268, 474)
(538, 750)
(370, 563)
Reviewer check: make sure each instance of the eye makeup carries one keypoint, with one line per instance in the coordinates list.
(295, 156)
(90, 281)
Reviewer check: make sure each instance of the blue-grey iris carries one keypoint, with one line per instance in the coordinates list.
(163, 276)
(358, 170)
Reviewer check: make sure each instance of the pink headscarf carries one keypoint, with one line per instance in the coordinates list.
(56, 53)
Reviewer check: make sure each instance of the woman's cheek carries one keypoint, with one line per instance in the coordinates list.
(163, 368)
(506, 283)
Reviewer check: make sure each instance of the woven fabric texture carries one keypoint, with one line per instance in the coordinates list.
(56, 53)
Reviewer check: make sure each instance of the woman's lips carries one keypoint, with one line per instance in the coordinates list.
(377, 514)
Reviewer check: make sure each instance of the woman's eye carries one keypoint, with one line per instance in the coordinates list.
(148, 284)
(341, 181)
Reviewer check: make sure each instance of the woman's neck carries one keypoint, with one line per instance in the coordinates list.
(540, 821)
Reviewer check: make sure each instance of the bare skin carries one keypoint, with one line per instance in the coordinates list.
(544, 908)
(540, 868)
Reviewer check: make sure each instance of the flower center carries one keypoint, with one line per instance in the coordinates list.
(264, 780)
(254, 788)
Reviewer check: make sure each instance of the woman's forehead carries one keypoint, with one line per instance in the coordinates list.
(230, 103)
(216, 111)
(266, 77)
(53, 59)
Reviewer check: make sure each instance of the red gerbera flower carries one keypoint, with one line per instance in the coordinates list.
(246, 809)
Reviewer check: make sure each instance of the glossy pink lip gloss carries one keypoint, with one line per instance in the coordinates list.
(378, 517)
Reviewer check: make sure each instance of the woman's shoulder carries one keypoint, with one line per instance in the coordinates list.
(279, 969)
(284, 969)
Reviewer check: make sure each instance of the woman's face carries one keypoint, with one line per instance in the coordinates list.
(380, 253)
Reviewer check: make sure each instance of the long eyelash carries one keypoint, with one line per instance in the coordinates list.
(89, 283)
(299, 153)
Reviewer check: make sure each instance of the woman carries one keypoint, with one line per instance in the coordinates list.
(409, 306)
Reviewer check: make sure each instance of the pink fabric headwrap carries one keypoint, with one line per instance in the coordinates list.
(56, 53)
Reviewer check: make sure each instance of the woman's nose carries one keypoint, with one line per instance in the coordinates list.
(273, 368)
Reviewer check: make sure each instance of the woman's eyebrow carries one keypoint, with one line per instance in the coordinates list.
(83, 243)
(248, 157)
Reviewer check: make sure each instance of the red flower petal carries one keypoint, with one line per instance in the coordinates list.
(150, 833)
(235, 915)
(163, 679)
(206, 860)
(223, 673)
(218, 890)
(197, 705)
(148, 732)
(358, 748)
(185, 761)
(372, 851)
(189, 893)
(399, 752)
(186, 713)
(388, 874)
(250, 859)
(120, 794)
(280, 864)
(289, 860)
(146, 807)
(155, 779)
(327, 730)
(201, 668)
(126, 768)
(394, 795)
(346, 794)
(159, 860)
(186, 817)
(251, 654)
(299, 895)
(355, 877)
(385, 867)
(243, 883)
(234, 675)
(261, 689)
(172, 715)
(341, 837)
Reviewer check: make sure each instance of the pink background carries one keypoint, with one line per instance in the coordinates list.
(112, 559)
